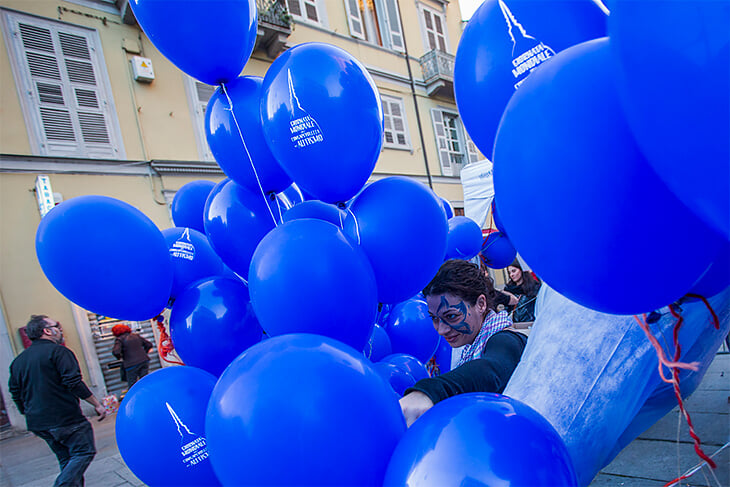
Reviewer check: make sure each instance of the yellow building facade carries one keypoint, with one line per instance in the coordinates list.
(75, 117)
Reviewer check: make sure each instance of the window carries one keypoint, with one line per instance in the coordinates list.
(434, 27)
(309, 10)
(65, 93)
(375, 21)
(455, 149)
(198, 96)
(394, 121)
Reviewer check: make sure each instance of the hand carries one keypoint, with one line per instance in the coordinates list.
(101, 411)
(413, 405)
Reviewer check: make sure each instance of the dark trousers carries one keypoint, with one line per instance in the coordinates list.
(74, 448)
(136, 372)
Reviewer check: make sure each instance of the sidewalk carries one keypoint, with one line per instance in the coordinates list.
(650, 461)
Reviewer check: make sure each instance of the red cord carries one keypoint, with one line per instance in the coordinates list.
(715, 319)
(165, 345)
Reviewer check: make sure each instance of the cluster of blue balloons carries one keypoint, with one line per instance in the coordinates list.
(576, 122)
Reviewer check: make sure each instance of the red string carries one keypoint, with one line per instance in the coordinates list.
(663, 361)
(165, 346)
(715, 319)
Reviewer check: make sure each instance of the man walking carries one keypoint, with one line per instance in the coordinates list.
(46, 385)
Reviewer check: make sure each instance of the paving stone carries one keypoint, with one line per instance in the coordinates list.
(713, 429)
(606, 480)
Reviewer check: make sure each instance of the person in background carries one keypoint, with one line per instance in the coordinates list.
(133, 350)
(46, 385)
(461, 303)
(524, 286)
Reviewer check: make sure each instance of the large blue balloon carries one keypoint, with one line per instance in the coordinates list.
(411, 330)
(471, 439)
(408, 363)
(496, 218)
(212, 323)
(679, 73)
(716, 277)
(192, 257)
(443, 356)
(224, 138)
(188, 205)
(502, 43)
(236, 220)
(464, 239)
(448, 209)
(315, 209)
(302, 410)
(402, 228)
(210, 41)
(323, 119)
(307, 277)
(106, 256)
(603, 215)
(293, 195)
(398, 378)
(497, 251)
(160, 428)
(378, 345)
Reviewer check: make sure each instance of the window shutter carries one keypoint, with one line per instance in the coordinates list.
(354, 19)
(58, 68)
(441, 142)
(294, 7)
(393, 21)
(471, 148)
(310, 7)
(203, 93)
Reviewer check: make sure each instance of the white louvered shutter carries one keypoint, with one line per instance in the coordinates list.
(394, 29)
(203, 93)
(441, 141)
(63, 80)
(354, 19)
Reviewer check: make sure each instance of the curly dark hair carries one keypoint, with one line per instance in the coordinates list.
(35, 326)
(464, 279)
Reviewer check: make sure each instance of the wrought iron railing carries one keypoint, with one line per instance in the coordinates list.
(274, 12)
(436, 63)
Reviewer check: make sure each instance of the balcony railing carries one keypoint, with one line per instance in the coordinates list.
(274, 26)
(438, 73)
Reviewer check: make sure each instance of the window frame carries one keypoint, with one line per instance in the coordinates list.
(320, 7)
(422, 9)
(26, 88)
(468, 153)
(406, 134)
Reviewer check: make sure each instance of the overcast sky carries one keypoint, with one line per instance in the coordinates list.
(468, 7)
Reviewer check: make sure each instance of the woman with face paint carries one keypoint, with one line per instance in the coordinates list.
(461, 302)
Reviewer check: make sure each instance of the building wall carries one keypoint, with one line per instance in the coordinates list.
(157, 124)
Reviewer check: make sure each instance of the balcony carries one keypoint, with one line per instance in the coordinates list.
(274, 27)
(438, 73)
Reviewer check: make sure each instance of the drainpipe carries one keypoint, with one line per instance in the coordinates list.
(415, 100)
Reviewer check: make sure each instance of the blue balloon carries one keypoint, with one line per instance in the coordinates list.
(210, 41)
(212, 323)
(236, 220)
(471, 439)
(448, 209)
(407, 363)
(401, 226)
(307, 277)
(716, 277)
(443, 356)
(160, 428)
(502, 43)
(686, 77)
(411, 330)
(315, 209)
(192, 257)
(106, 256)
(302, 410)
(497, 251)
(323, 119)
(603, 216)
(464, 239)
(188, 205)
(397, 378)
(256, 169)
(378, 345)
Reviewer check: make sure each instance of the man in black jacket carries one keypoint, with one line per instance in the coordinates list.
(46, 385)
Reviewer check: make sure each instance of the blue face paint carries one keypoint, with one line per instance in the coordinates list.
(454, 311)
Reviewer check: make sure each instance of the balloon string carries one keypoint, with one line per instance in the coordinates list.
(663, 361)
(677, 392)
(715, 319)
(165, 345)
(357, 226)
(248, 154)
